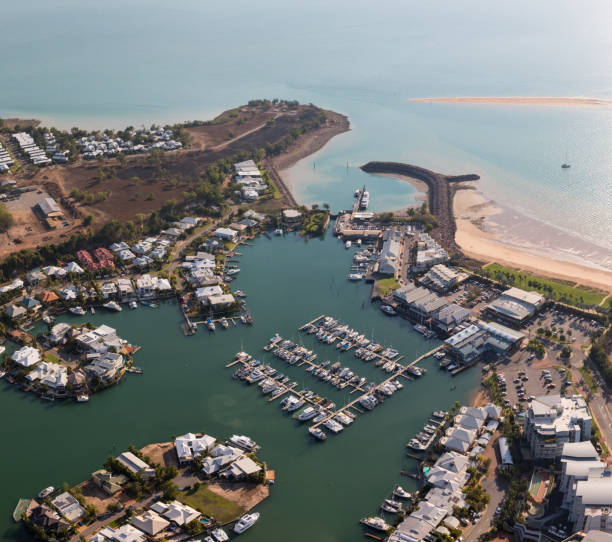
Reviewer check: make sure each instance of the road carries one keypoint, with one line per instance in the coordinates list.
(496, 487)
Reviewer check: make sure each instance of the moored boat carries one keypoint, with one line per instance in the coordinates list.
(246, 522)
(317, 433)
(113, 306)
(80, 311)
(375, 523)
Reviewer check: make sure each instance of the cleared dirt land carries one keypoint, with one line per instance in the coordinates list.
(142, 185)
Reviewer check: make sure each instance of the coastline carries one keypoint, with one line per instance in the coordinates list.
(480, 225)
(422, 190)
(537, 101)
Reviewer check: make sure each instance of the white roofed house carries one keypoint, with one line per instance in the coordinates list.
(107, 367)
(73, 267)
(158, 253)
(16, 312)
(126, 255)
(68, 506)
(26, 356)
(145, 286)
(150, 522)
(203, 294)
(162, 285)
(124, 287)
(220, 456)
(135, 464)
(241, 468)
(108, 290)
(180, 513)
(226, 233)
(51, 375)
(100, 340)
(190, 446)
(221, 300)
(58, 332)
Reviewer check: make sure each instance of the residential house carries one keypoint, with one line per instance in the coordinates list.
(109, 482)
(16, 312)
(53, 375)
(68, 506)
(145, 286)
(180, 513)
(226, 234)
(204, 294)
(241, 468)
(26, 356)
(58, 332)
(34, 278)
(73, 267)
(221, 300)
(106, 367)
(48, 519)
(150, 522)
(190, 446)
(135, 464)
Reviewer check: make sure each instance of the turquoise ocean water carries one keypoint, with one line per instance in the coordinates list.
(130, 62)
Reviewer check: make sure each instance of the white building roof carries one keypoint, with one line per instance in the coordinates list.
(26, 356)
(180, 513)
(150, 522)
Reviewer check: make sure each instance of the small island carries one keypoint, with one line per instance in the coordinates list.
(170, 490)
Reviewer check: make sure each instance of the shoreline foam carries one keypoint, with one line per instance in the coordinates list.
(479, 226)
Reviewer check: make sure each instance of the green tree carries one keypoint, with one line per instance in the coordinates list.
(6, 218)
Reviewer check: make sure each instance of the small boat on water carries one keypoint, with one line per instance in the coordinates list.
(388, 309)
(210, 325)
(278, 231)
(150, 304)
(82, 398)
(233, 271)
(317, 433)
(307, 414)
(355, 276)
(246, 522)
(239, 293)
(133, 304)
(348, 244)
(2, 374)
(224, 323)
(92, 310)
(400, 493)
(113, 306)
(80, 311)
(375, 523)
(47, 319)
(46, 492)
(220, 535)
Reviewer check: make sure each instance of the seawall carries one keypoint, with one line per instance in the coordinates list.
(440, 195)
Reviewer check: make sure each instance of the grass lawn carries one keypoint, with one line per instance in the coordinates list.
(386, 286)
(564, 291)
(588, 378)
(51, 358)
(211, 504)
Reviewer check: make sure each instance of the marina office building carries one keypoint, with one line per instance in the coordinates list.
(471, 343)
(442, 278)
(515, 306)
(389, 257)
(552, 421)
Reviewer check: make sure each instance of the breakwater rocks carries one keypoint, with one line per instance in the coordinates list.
(440, 195)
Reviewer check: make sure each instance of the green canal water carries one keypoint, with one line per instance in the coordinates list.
(322, 489)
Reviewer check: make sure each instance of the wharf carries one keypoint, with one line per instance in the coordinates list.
(302, 328)
(392, 377)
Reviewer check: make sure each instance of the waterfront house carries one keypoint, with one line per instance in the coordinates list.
(26, 356)
(124, 288)
(240, 228)
(221, 300)
(204, 294)
(48, 519)
(180, 513)
(220, 456)
(249, 223)
(108, 290)
(150, 522)
(58, 332)
(68, 506)
(109, 482)
(291, 217)
(190, 446)
(135, 464)
(100, 340)
(468, 422)
(254, 215)
(52, 375)
(162, 285)
(106, 367)
(226, 234)
(145, 286)
(15, 312)
(241, 468)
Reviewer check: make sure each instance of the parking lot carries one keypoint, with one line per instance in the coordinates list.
(526, 376)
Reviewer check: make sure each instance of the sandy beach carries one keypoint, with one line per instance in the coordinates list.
(539, 101)
(476, 224)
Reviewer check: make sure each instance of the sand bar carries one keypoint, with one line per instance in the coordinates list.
(540, 101)
(473, 214)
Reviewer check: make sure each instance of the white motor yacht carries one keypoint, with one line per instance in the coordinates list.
(246, 522)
